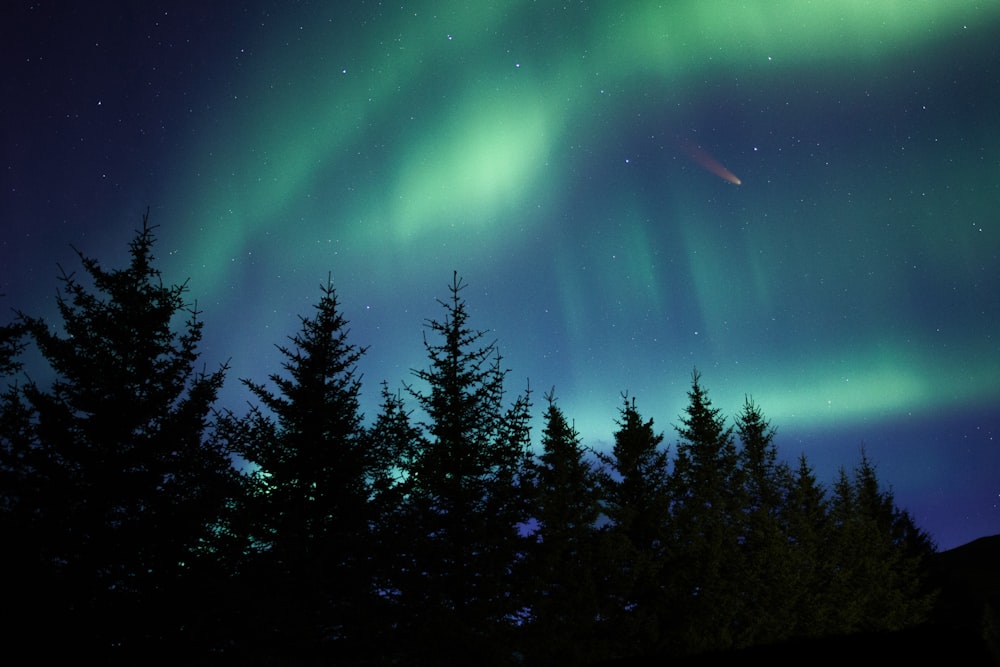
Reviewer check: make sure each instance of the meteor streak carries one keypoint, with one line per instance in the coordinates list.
(705, 159)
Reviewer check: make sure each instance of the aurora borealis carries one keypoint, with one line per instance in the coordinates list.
(548, 152)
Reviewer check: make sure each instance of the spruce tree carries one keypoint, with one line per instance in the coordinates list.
(807, 524)
(636, 547)
(464, 499)
(396, 440)
(563, 591)
(311, 470)
(767, 582)
(878, 577)
(706, 503)
(125, 482)
(395, 437)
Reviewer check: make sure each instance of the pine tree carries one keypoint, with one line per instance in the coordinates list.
(706, 503)
(878, 578)
(311, 472)
(767, 583)
(397, 440)
(125, 483)
(562, 559)
(635, 548)
(465, 500)
(807, 526)
(764, 478)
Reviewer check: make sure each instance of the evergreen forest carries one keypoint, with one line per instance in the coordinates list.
(142, 522)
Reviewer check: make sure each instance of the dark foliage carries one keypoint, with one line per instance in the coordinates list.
(708, 572)
(115, 486)
(563, 565)
(137, 520)
(463, 501)
(634, 540)
(307, 516)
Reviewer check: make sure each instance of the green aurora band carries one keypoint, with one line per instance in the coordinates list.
(468, 135)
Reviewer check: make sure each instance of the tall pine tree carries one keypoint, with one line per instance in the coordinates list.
(636, 545)
(397, 438)
(125, 483)
(878, 558)
(706, 503)
(807, 525)
(311, 469)
(767, 583)
(561, 563)
(465, 499)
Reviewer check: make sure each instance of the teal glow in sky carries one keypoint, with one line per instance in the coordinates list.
(560, 159)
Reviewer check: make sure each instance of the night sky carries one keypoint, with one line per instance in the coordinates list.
(577, 164)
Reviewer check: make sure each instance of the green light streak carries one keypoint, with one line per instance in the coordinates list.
(483, 161)
(431, 135)
(670, 38)
(307, 103)
(891, 379)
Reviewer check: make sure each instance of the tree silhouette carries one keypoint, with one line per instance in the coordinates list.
(706, 530)
(768, 582)
(464, 501)
(433, 536)
(311, 470)
(807, 527)
(398, 440)
(878, 559)
(563, 559)
(396, 437)
(125, 485)
(636, 544)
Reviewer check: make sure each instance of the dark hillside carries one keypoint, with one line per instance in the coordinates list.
(969, 578)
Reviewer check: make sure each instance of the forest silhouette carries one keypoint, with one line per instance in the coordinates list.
(141, 521)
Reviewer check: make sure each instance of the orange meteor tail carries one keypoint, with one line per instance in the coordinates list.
(702, 157)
